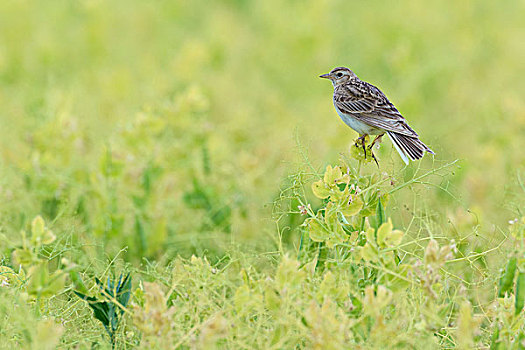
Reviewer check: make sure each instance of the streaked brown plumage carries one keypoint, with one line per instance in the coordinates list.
(364, 108)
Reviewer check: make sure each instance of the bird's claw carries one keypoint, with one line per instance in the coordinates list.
(374, 158)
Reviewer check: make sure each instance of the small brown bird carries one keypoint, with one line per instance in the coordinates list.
(364, 108)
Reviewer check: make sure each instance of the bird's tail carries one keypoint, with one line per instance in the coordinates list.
(408, 147)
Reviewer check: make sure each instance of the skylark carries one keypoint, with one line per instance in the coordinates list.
(364, 108)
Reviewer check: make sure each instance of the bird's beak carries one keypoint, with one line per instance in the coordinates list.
(325, 76)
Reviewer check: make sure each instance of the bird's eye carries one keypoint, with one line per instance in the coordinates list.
(339, 75)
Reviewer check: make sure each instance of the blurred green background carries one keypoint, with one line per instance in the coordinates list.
(170, 126)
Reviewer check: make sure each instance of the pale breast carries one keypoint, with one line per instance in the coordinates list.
(357, 125)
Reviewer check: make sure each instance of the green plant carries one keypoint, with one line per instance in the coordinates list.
(508, 327)
(40, 283)
(111, 305)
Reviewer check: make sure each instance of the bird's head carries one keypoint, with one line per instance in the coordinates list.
(339, 75)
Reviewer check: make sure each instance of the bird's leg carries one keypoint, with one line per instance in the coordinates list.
(377, 139)
(374, 158)
(362, 140)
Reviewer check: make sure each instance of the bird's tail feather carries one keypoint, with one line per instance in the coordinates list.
(408, 147)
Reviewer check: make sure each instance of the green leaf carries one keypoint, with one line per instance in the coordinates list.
(395, 238)
(352, 208)
(103, 312)
(383, 232)
(37, 228)
(106, 311)
(38, 278)
(320, 190)
(55, 284)
(337, 236)
(330, 216)
(386, 237)
(520, 293)
(369, 235)
(398, 282)
(369, 253)
(42, 284)
(331, 175)
(316, 231)
(48, 237)
(23, 257)
(507, 278)
(380, 213)
(495, 344)
(467, 326)
(77, 282)
(39, 233)
(124, 291)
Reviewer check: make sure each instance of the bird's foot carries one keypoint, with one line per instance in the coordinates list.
(361, 141)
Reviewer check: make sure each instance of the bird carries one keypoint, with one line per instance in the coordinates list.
(367, 110)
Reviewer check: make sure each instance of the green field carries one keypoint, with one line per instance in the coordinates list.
(191, 146)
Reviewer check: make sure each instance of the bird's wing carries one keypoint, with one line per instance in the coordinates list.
(369, 105)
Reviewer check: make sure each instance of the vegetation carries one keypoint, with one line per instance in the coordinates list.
(173, 176)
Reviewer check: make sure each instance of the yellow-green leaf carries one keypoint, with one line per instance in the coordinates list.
(386, 237)
(55, 284)
(369, 234)
(369, 253)
(368, 211)
(331, 175)
(23, 257)
(38, 279)
(336, 236)
(48, 237)
(395, 238)
(352, 208)
(37, 230)
(316, 231)
(37, 226)
(330, 216)
(383, 232)
(520, 293)
(320, 190)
